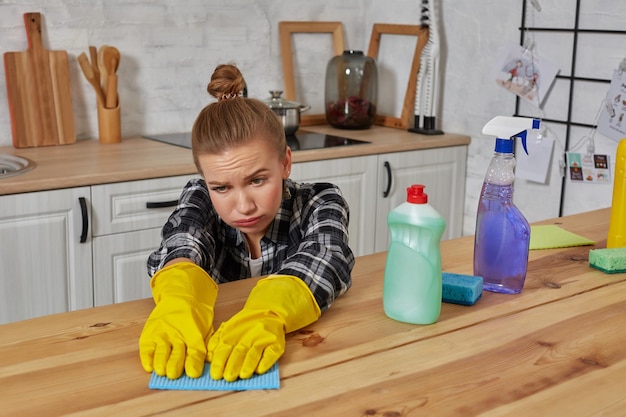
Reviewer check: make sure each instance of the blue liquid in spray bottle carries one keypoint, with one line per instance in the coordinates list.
(502, 237)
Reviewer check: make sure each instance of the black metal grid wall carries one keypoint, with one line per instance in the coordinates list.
(572, 78)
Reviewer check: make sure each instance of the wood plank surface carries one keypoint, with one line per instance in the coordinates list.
(534, 352)
(90, 162)
(466, 372)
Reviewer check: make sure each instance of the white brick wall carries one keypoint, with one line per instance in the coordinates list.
(169, 50)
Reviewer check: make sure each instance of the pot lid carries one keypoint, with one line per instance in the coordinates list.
(277, 102)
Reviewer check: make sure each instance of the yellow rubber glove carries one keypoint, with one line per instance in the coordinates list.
(254, 338)
(176, 333)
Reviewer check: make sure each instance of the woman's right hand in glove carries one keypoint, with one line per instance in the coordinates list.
(177, 331)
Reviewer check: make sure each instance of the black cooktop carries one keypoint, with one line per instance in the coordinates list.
(302, 140)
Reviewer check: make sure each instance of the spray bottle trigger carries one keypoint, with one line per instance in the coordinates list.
(522, 136)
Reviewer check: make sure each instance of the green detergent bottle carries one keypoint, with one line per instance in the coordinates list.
(412, 282)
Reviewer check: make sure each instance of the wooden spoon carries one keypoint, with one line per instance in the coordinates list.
(111, 58)
(89, 73)
(101, 67)
(93, 55)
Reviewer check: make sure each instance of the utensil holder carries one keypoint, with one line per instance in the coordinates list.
(109, 124)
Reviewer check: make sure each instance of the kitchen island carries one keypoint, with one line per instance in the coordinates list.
(558, 348)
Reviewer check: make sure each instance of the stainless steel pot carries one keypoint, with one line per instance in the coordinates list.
(287, 111)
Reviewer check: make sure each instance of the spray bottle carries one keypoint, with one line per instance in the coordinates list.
(502, 235)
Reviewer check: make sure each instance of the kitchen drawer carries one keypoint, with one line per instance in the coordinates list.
(134, 205)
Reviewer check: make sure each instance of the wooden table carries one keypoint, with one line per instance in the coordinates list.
(556, 349)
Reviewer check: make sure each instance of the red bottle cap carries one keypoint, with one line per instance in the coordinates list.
(415, 194)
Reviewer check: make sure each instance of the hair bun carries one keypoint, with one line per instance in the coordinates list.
(226, 82)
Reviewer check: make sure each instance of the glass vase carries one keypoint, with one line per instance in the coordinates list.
(351, 90)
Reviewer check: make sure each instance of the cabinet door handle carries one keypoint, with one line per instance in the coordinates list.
(388, 189)
(161, 204)
(85, 217)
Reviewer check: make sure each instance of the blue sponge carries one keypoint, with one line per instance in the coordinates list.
(461, 289)
(269, 380)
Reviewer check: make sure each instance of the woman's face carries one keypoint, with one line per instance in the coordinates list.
(246, 184)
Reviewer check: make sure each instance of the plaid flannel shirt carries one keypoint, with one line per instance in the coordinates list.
(307, 239)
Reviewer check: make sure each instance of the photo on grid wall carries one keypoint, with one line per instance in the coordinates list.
(525, 74)
(590, 168)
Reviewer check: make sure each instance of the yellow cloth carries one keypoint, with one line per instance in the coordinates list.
(551, 236)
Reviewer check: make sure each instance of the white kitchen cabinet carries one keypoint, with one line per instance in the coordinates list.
(127, 222)
(373, 185)
(44, 266)
(75, 248)
(441, 170)
(356, 177)
(119, 266)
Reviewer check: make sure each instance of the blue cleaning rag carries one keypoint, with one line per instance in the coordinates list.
(269, 380)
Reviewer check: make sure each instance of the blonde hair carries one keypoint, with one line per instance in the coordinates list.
(233, 119)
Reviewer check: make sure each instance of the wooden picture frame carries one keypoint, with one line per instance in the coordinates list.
(286, 29)
(421, 32)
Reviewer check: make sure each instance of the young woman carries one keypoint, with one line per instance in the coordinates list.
(244, 218)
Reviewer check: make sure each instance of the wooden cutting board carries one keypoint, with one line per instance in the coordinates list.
(38, 89)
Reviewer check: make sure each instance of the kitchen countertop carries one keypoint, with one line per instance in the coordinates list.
(555, 349)
(89, 162)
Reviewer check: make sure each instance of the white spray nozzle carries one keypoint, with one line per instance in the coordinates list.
(509, 128)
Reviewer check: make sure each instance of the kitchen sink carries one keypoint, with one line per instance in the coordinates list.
(11, 165)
